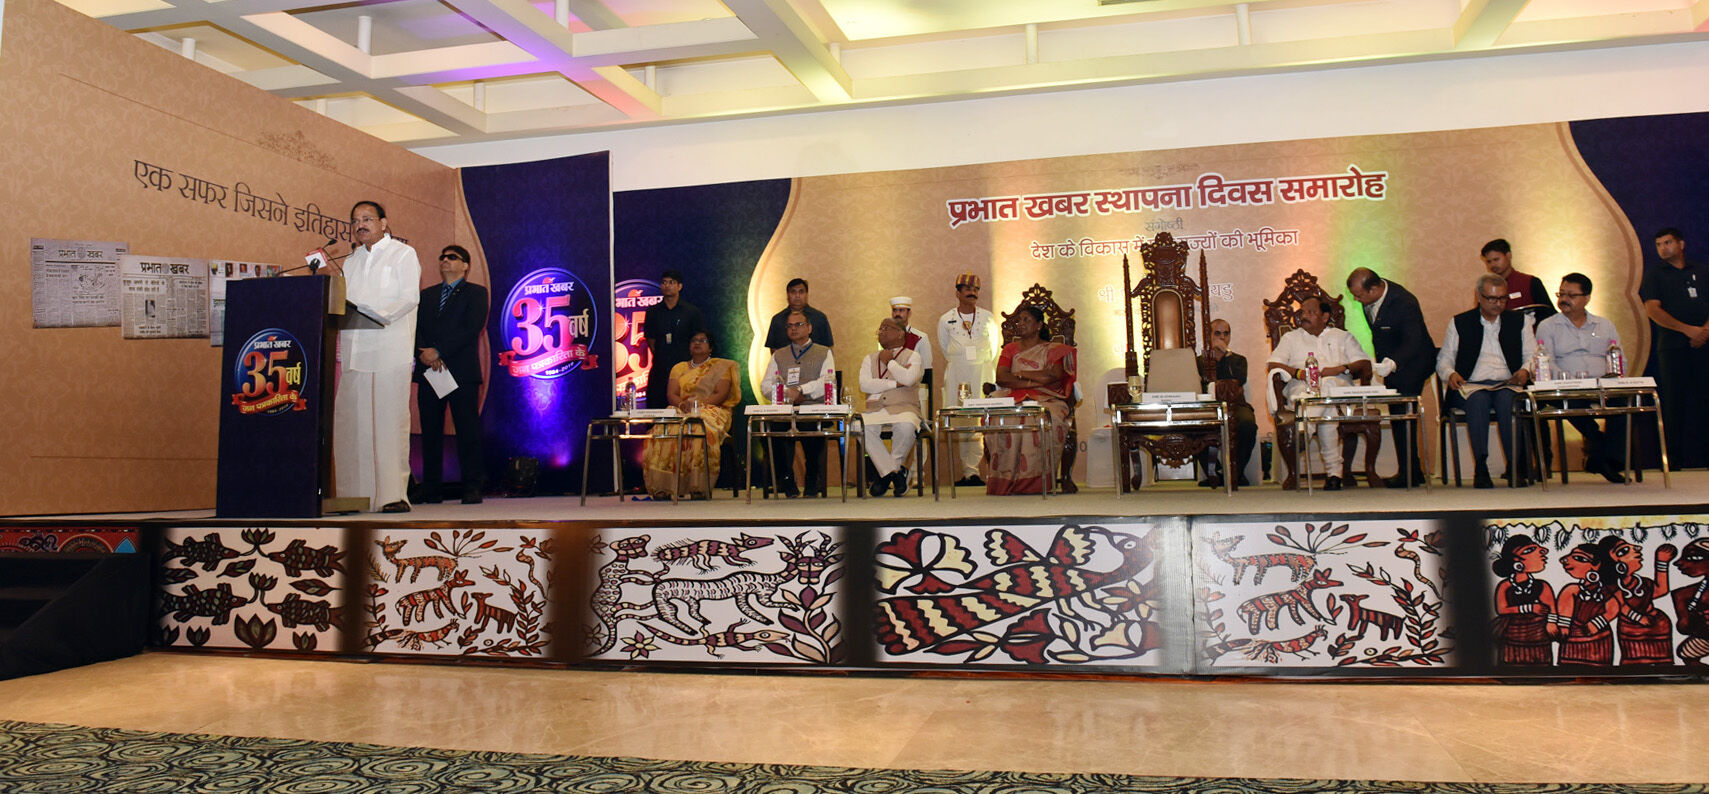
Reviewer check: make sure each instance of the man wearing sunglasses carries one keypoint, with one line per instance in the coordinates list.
(453, 316)
(1484, 363)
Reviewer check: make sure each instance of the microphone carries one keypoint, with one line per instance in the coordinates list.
(314, 260)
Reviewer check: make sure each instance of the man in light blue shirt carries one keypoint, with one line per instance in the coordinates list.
(1578, 343)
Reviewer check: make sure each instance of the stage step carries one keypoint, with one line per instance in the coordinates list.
(66, 610)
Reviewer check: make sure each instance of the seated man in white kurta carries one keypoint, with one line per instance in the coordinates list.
(1340, 360)
(890, 378)
(376, 354)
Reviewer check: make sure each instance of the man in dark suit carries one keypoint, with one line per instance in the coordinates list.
(1401, 340)
(453, 315)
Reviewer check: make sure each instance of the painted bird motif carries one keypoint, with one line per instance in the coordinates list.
(295, 610)
(298, 557)
(208, 551)
(1025, 581)
(196, 602)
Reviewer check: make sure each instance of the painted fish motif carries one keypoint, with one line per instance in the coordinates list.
(196, 602)
(208, 551)
(298, 557)
(295, 610)
(1027, 580)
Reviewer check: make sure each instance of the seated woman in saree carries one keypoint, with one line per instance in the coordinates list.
(1030, 368)
(701, 385)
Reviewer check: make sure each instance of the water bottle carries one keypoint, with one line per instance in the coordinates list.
(1264, 452)
(777, 394)
(831, 393)
(1313, 375)
(1616, 360)
(1543, 367)
(629, 396)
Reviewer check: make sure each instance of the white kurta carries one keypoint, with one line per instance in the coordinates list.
(970, 348)
(371, 405)
(1333, 348)
(903, 372)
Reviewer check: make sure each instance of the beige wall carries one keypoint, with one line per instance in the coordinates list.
(95, 422)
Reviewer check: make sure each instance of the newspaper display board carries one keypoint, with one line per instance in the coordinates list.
(164, 297)
(74, 283)
(219, 272)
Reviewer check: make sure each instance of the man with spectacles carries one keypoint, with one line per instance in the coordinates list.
(1402, 341)
(1577, 342)
(447, 336)
(370, 409)
(804, 371)
(1484, 363)
(1227, 369)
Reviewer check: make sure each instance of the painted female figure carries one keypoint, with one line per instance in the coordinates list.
(1645, 634)
(1691, 602)
(1585, 610)
(1522, 603)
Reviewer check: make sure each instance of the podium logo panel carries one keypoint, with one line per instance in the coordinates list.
(548, 323)
(269, 373)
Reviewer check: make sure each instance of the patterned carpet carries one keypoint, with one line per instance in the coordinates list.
(67, 758)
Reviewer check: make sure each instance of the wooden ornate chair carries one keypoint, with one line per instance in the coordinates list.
(1281, 316)
(1173, 311)
(1059, 323)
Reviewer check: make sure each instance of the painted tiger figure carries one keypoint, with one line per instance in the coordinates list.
(1361, 618)
(1268, 607)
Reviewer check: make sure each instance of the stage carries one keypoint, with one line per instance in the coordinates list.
(1180, 498)
(1173, 580)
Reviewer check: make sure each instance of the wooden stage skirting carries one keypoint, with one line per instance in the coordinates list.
(1175, 580)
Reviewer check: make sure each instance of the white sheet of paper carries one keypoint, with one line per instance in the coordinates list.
(440, 380)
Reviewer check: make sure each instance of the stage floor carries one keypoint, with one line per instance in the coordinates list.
(1178, 498)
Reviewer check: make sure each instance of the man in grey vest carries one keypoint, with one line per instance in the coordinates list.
(890, 378)
(801, 373)
(1485, 361)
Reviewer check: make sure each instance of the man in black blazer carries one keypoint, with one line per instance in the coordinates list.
(1398, 334)
(453, 316)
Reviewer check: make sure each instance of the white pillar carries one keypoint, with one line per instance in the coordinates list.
(480, 96)
(1243, 22)
(1032, 43)
(187, 47)
(561, 12)
(365, 33)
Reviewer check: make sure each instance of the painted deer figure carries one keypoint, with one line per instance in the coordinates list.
(749, 590)
(1361, 618)
(1268, 607)
(444, 565)
(1298, 565)
(414, 606)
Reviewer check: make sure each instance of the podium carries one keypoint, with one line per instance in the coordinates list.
(275, 453)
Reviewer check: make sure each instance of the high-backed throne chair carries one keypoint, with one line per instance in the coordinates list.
(1281, 316)
(1174, 313)
(1059, 324)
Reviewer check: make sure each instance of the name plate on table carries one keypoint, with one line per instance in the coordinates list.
(827, 410)
(1627, 383)
(645, 413)
(1359, 391)
(988, 402)
(768, 410)
(1173, 397)
(1563, 384)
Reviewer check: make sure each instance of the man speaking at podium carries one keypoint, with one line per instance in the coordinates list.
(376, 351)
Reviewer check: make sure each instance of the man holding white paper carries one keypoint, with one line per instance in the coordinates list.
(375, 348)
(448, 374)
